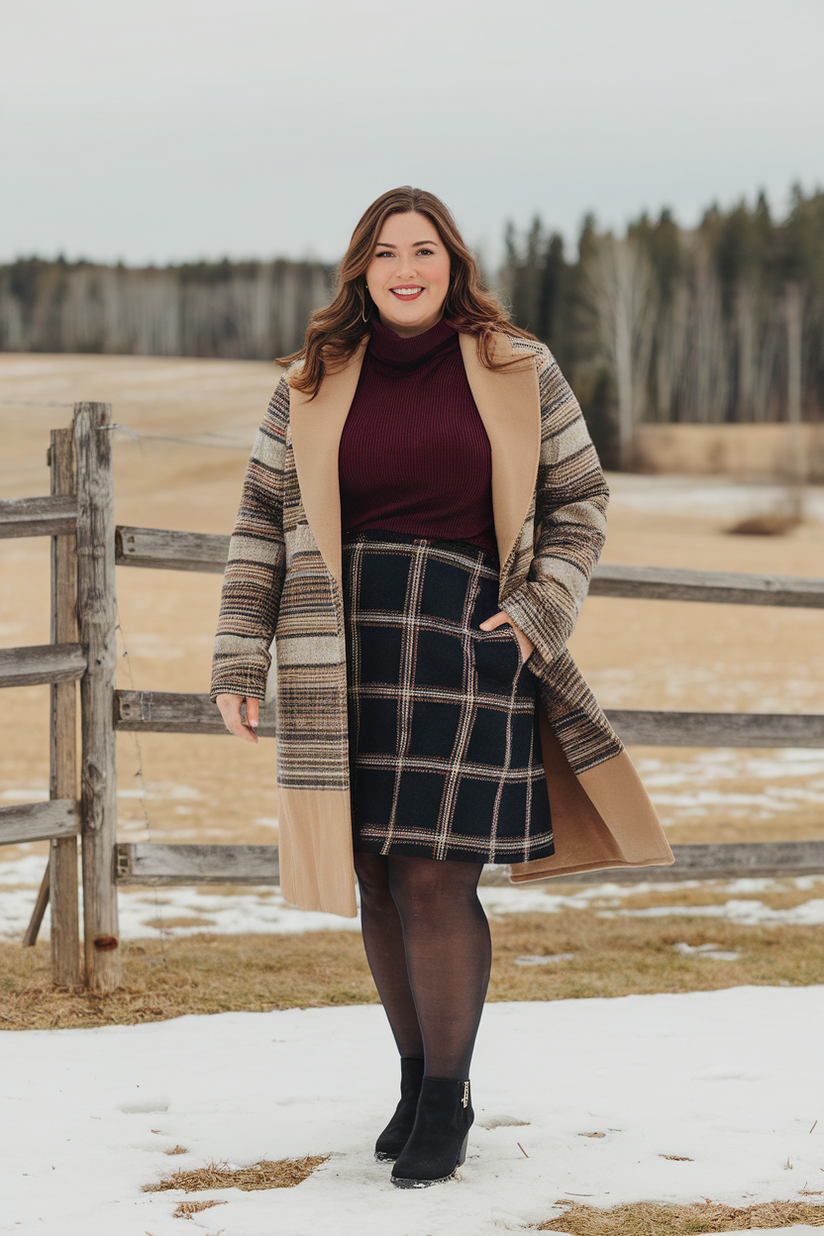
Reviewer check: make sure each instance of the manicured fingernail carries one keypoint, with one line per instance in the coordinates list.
(253, 724)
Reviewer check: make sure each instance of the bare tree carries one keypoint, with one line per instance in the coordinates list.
(794, 316)
(622, 291)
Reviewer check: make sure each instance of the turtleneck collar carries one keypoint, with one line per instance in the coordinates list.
(408, 353)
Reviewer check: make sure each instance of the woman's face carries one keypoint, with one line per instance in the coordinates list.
(408, 277)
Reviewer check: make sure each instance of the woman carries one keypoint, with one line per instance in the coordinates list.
(421, 514)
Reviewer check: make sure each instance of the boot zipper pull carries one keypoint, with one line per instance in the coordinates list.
(465, 1099)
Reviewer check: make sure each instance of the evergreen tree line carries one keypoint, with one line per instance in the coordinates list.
(723, 323)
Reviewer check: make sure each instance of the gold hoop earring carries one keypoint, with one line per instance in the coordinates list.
(362, 293)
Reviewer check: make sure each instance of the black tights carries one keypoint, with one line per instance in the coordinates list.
(428, 946)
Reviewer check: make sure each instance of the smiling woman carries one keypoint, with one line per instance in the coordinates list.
(422, 511)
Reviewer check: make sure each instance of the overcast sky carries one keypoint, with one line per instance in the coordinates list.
(168, 130)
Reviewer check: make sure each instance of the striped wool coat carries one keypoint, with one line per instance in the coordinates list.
(283, 581)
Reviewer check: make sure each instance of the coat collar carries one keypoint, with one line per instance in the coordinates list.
(508, 402)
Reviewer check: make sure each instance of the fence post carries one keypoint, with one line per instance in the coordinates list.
(96, 621)
(65, 926)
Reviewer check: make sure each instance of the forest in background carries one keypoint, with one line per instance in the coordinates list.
(720, 323)
(235, 310)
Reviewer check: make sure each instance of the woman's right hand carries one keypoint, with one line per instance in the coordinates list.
(229, 706)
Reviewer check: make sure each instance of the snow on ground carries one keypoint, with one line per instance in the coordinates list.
(174, 912)
(577, 1100)
(708, 496)
(688, 790)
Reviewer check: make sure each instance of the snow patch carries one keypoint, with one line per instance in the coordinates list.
(575, 1100)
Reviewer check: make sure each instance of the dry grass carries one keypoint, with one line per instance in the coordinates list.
(267, 1174)
(186, 1209)
(214, 974)
(201, 974)
(651, 1219)
(177, 1150)
(780, 896)
(772, 523)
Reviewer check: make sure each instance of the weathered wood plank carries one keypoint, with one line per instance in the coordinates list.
(179, 713)
(173, 713)
(96, 616)
(40, 906)
(723, 861)
(39, 821)
(65, 917)
(717, 729)
(166, 550)
(52, 515)
(144, 863)
(37, 663)
(728, 588)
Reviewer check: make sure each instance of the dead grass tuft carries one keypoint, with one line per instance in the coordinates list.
(267, 1174)
(771, 523)
(177, 1150)
(652, 1219)
(186, 1209)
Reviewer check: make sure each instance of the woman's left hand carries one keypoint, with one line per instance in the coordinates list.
(497, 620)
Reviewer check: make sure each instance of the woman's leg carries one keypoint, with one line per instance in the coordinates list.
(384, 944)
(448, 952)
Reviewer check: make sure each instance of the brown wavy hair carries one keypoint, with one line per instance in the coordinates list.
(335, 332)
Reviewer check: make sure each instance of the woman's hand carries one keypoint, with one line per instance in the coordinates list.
(229, 706)
(497, 620)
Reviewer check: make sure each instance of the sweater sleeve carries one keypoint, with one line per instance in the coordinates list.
(570, 522)
(253, 580)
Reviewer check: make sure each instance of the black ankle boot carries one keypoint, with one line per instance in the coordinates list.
(394, 1137)
(437, 1143)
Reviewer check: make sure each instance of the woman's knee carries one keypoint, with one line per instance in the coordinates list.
(418, 883)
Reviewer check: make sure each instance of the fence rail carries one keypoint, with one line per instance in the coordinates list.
(180, 713)
(39, 821)
(716, 861)
(720, 587)
(54, 515)
(156, 865)
(716, 729)
(169, 712)
(39, 663)
(164, 549)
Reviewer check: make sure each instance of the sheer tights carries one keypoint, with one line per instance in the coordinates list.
(428, 946)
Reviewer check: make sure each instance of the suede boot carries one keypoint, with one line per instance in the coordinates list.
(437, 1143)
(394, 1137)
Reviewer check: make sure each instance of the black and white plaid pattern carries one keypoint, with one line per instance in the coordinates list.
(444, 744)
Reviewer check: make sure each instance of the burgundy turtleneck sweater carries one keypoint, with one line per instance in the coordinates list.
(414, 455)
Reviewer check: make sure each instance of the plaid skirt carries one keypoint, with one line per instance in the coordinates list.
(444, 744)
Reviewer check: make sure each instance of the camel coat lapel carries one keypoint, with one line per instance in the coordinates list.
(317, 425)
(509, 406)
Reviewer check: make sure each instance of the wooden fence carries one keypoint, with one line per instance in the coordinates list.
(86, 546)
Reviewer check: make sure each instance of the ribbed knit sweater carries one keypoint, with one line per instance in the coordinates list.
(414, 456)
